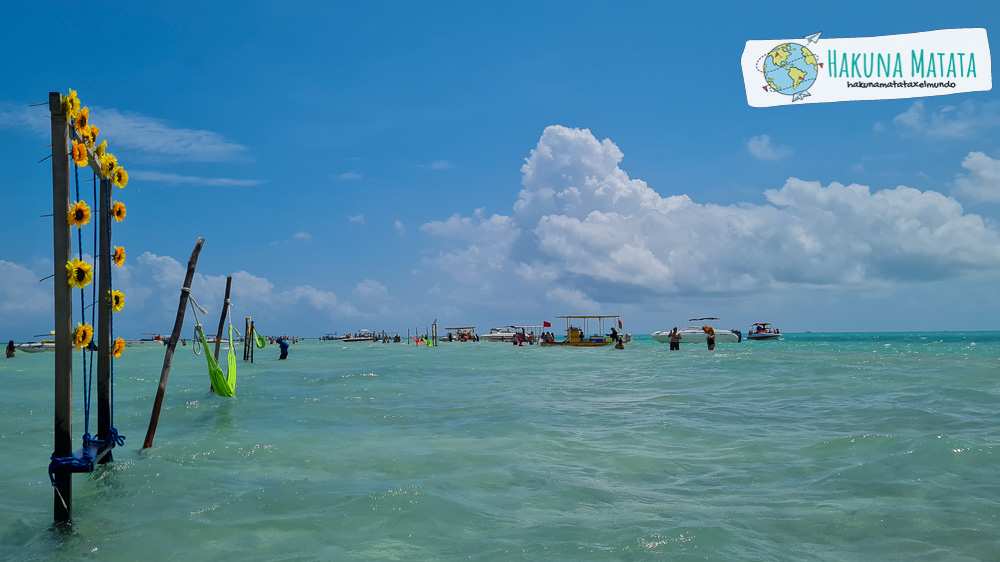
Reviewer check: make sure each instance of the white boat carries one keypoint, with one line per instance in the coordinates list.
(36, 346)
(502, 335)
(362, 335)
(693, 333)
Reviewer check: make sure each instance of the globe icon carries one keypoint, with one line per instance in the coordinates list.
(790, 69)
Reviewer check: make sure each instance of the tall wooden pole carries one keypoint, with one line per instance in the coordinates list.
(62, 251)
(103, 305)
(168, 357)
(222, 319)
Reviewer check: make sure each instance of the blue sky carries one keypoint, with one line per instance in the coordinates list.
(385, 164)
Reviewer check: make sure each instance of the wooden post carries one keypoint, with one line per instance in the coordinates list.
(103, 305)
(222, 319)
(62, 251)
(168, 357)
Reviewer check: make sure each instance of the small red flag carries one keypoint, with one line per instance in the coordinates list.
(620, 324)
(546, 324)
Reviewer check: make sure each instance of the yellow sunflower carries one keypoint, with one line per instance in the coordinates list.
(99, 151)
(119, 257)
(119, 176)
(79, 273)
(71, 104)
(90, 135)
(118, 347)
(80, 154)
(82, 335)
(79, 214)
(82, 120)
(108, 164)
(118, 211)
(117, 300)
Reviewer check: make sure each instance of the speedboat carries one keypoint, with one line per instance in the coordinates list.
(693, 333)
(502, 335)
(36, 346)
(763, 331)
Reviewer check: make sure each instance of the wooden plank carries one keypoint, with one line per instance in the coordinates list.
(103, 327)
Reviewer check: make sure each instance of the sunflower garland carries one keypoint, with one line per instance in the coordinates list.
(119, 256)
(119, 176)
(79, 214)
(80, 154)
(118, 347)
(118, 211)
(117, 300)
(101, 148)
(79, 273)
(82, 335)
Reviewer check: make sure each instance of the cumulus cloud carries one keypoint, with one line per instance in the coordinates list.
(949, 121)
(360, 219)
(982, 183)
(762, 149)
(400, 227)
(581, 222)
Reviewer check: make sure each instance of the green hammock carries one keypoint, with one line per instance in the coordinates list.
(259, 339)
(222, 384)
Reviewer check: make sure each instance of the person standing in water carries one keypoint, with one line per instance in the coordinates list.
(10, 349)
(709, 337)
(284, 348)
(675, 340)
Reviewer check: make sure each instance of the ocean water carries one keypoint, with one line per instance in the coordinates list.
(862, 446)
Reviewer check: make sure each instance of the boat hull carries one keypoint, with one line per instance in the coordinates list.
(697, 336)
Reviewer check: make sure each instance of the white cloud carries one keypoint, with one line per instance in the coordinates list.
(400, 227)
(582, 223)
(158, 140)
(302, 236)
(983, 181)
(949, 121)
(177, 179)
(762, 149)
(23, 118)
(350, 176)
(439, 165)
(360, 219)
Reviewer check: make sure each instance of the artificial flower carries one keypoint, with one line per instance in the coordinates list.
(79, 214)
(80, 154)
(101, 148)
(82, 120)
(118, 211)
(90, 135)
(108, 164)
(117, 300)
(119, 257)
(71, 104)
(119, 176)
(79, 273)
(82, 335)
(118, 348)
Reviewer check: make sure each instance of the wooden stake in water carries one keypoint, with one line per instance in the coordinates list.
(222, 319)
(168, 357)
(62, 252)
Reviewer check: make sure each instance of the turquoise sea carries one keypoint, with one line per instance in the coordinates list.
(860, 446)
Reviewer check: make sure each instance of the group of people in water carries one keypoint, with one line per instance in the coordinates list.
(676, 337)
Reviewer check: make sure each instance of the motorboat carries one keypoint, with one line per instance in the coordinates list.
(502, 335)
(576, 336)
(763, 331)
(362, 335)
(462, 333)
(695, 333)
(508, 334)
(36, 346)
